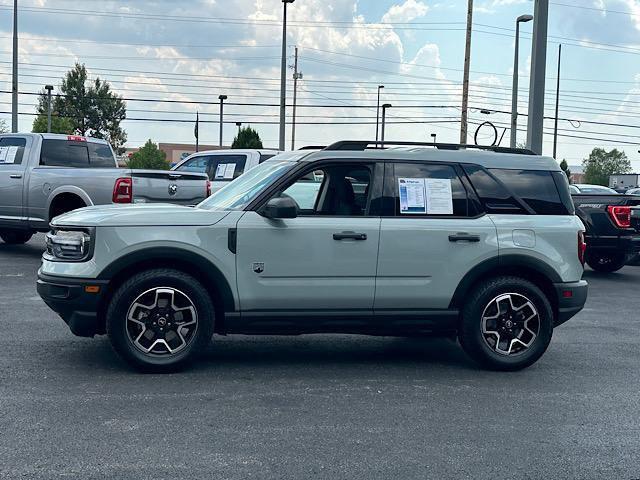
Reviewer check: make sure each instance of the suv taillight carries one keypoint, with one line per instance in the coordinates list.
(123, 190)
(208, 188)
(621, 216)
(582, 247)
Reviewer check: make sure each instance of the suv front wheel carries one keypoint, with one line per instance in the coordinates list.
(506, 324)
(159, 319)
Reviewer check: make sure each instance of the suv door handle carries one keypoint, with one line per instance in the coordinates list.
(349, 236)
(15, 175)
(464, 237)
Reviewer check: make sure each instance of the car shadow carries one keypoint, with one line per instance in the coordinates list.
(28, 249)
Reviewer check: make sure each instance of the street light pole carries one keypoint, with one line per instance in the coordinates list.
(239, 125)
(514, 94)
(14, 80)
(222, 99)
(48, 88)
(384, 117)
(283, 76)
(535, 125)
(296, 76)
(380, 87)
(555, 125)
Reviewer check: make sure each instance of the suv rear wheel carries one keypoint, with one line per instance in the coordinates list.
(507, 324)
(160, 319)
(606, 262)
(15, 237)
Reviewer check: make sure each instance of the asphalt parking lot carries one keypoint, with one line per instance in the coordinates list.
(318, 406)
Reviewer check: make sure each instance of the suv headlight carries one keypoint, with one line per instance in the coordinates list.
(70, 245)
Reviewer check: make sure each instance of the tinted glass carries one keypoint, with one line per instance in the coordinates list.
(196, 164)
(62, 153)
(429, 202)
(266, 156)
(494, 197)
(562, 184)
(12, 156)
(536, 188)
(101, 156)
(227, 167)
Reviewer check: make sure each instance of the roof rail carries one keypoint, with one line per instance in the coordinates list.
(361, 145)
(313, 147)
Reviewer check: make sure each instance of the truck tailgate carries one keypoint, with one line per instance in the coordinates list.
(184, 188)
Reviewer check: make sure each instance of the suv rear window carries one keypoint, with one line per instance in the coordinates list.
(537, 188)
(64, 153)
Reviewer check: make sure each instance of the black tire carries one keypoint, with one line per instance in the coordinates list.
(606, 262)
(473, 340)
(119, 328)
(16, 237)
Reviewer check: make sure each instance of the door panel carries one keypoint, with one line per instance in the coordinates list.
(12, 178)
(419, 267)
(303, 266)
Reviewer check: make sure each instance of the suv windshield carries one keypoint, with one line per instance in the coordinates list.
(239, 193)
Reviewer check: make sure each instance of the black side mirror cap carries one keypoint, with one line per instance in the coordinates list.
(281, 207)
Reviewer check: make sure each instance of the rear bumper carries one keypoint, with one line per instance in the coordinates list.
(69, 299)
(627, 243)
(571, 298)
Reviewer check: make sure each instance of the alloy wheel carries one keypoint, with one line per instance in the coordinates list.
(510, 324)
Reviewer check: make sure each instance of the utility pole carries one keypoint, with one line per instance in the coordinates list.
(384, 117)
(222, 98)
(514, 92)
(283, 76)
(14, 81)
(538, 73)
(555, 126)
(296, 76)
(465, 79)
(48, 88)
(380, 87)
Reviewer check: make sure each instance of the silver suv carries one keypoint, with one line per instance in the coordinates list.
(424, 239)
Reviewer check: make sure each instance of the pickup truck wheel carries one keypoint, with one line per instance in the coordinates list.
(159, 319)
(506, 324)
(606, 262)
(15, 237)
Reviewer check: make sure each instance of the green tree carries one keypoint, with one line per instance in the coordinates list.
(89, 107)
(601, 164)
(4, 127)
(247, 138)
(149, 157)
(565, 168)
(59, 124)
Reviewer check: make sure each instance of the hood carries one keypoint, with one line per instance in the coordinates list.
(154, 214)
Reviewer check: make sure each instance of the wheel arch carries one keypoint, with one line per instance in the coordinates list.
(208, 274)
(536, 271)
(68, 191)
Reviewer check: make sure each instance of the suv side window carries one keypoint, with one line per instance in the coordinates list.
(494, 197)
(63, 153)
(537, 188)
(336, 190)
(226, 167)
(428, 190)
(100, 155)
(12, 150)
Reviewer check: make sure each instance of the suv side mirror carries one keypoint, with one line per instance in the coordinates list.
(281, 207)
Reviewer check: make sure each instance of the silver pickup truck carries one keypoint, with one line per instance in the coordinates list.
(45, 175)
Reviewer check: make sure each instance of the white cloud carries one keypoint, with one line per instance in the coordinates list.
(409, 10)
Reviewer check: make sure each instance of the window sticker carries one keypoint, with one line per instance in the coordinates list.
(439, 196)
(8, 154)
(412, 196)
(230, 170)
(220, 170)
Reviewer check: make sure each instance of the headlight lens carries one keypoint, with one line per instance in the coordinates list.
(69, 245)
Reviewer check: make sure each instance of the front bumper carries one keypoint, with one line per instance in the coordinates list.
(70, 299)
(571, 298)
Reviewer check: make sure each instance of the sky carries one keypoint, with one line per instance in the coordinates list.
(170, 59)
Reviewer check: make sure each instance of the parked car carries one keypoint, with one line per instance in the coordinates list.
(45, 175)
(482, 245)
(612, 242)
(222, 166)
(632, 191)
(585, 189)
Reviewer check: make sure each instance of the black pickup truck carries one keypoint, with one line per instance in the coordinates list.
(611, 238)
